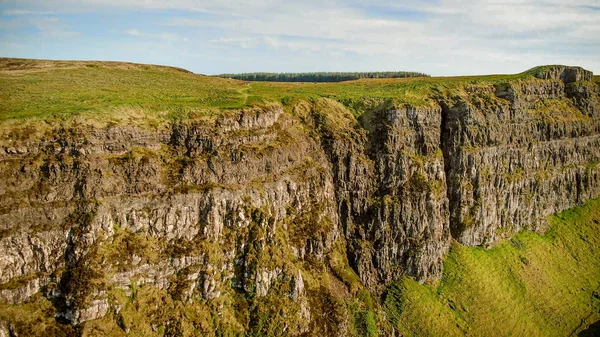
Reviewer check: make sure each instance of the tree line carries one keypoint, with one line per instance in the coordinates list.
(321, 76)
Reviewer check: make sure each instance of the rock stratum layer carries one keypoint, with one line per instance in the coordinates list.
(263, 221)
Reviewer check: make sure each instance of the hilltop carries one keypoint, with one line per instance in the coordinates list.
(63, 89)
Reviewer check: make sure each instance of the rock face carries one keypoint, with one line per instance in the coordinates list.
(405, 225)
(263, 202)
(517, 152)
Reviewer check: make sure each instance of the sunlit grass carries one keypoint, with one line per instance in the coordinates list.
(533, 285)
(55, 90)
(56, 93)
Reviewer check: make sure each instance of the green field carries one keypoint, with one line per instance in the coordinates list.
(55, 90)
(58, 92)
(532, 285)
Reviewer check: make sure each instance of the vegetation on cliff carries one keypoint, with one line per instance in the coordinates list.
(534, 285)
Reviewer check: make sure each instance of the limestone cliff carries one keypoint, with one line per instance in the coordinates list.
(219, 219)
(518, 151)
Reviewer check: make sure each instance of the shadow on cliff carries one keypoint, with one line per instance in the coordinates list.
(592, 331)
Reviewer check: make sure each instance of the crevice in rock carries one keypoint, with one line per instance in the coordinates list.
(444, 145)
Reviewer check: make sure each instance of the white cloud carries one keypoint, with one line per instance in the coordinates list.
(133, 32)
(162, 36)
(51, 27)
(242, 42)
(171, 38)
(450, 36)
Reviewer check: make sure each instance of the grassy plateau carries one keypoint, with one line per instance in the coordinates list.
(56, 90)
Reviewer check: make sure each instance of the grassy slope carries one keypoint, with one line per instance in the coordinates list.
(533, 285)
(58, 91)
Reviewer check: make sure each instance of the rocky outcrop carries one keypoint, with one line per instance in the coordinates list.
(390, 188)
(256, 208)
(565, 74)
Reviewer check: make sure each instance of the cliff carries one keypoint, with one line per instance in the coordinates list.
(517, 152)
(279, 218)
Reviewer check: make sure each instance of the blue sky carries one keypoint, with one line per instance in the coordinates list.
(438, 37)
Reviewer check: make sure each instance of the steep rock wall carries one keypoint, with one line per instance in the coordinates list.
(187, 209)
(518, 151)
(390, 188)
(407, 229)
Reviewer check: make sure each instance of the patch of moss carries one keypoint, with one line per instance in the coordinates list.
(329, 311)
(125, 244)
(341, 268)
(418, 183)
(34, 318)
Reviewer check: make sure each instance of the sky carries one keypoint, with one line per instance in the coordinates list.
(437, 37)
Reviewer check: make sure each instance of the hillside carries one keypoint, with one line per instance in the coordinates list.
(150, 201)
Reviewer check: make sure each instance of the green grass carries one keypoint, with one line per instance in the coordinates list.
(532, 285)
(57, 90)
(366, 93)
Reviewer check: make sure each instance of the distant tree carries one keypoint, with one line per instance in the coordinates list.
(321, 76)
